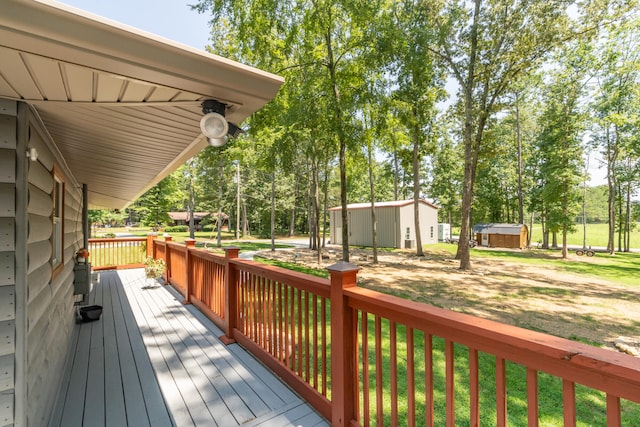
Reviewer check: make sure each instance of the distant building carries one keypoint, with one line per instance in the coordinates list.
(501, 235)
(395, 224)
(182, 218)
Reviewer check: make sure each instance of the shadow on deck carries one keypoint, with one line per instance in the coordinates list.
(152, 361)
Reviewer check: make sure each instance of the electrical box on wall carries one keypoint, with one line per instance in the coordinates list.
(82, 284)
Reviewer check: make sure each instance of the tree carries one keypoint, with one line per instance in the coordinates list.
(616, 109)
(418, 87)
(486, 47)
(560, 141)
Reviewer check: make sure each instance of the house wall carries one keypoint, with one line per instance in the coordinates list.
(36, 306)
(8, 258)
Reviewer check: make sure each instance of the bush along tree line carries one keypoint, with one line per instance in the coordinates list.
(491, 109)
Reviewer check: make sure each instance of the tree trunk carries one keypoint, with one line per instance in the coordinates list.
(245, 222)
(325, 212)
(396, 171)
(627, 243)
(316, 208)
(519, 144)
(372, 197)
(273, 211)
(192, 204)
(416, 185)
(219, 219)
(612, 155)
(292, 218)
(331, 65)
(470, 148)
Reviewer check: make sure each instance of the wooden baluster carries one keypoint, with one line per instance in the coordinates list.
(501, 392)
(450, 383)
(569, 400)
(532, 397)
(428, 380)
(474, 389)
(613, 411)
(411, 380)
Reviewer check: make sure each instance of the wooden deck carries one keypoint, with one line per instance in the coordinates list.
(152, 361)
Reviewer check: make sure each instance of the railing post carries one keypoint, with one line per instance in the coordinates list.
(343, 345)
(189, 243)
(150, 238)
(167, 259)
(230, 296)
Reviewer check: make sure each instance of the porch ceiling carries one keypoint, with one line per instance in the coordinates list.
(122, 105)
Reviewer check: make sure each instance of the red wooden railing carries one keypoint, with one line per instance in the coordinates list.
(123, 252)
(364, 358)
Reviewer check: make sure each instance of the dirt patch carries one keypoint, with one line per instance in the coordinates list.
(535, 297)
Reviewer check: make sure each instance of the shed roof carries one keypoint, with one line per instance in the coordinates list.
(513, 229)
(123, 106)
(388, 204)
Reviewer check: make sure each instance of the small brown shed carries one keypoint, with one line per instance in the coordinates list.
(501, 235)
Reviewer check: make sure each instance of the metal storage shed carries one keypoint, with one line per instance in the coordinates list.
(395, 224)
(501, 235)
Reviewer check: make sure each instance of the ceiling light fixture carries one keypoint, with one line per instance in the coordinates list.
(214, 125)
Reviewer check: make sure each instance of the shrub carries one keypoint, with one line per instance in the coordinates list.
(176, 229)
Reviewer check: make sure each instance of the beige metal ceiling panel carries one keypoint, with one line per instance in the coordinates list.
(108, 88)
(162, 94)
(6, 90)
(13, 69)
(79, 82)
(45, 73)
(136, 92)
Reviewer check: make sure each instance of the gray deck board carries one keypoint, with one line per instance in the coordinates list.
(152, 361)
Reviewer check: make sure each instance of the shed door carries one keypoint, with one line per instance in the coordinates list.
(485, 239)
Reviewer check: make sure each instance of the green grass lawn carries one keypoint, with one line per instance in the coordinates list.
(597, 235)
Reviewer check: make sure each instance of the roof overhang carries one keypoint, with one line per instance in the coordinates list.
(123, 106)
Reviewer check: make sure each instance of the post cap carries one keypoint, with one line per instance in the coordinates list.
(343, 267)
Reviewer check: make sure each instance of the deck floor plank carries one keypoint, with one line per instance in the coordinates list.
(152, 361)
(94, 411)
(113, 390)
(133, 396)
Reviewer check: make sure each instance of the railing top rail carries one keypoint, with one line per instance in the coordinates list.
(203, 253)
(598, 368)
(316, 285)
(117, 239)
(176, 246)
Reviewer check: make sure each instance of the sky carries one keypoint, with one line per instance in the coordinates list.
(175, 20)
(172, 19)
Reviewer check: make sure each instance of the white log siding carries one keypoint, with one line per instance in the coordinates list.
(8, 154)
(49, 298)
